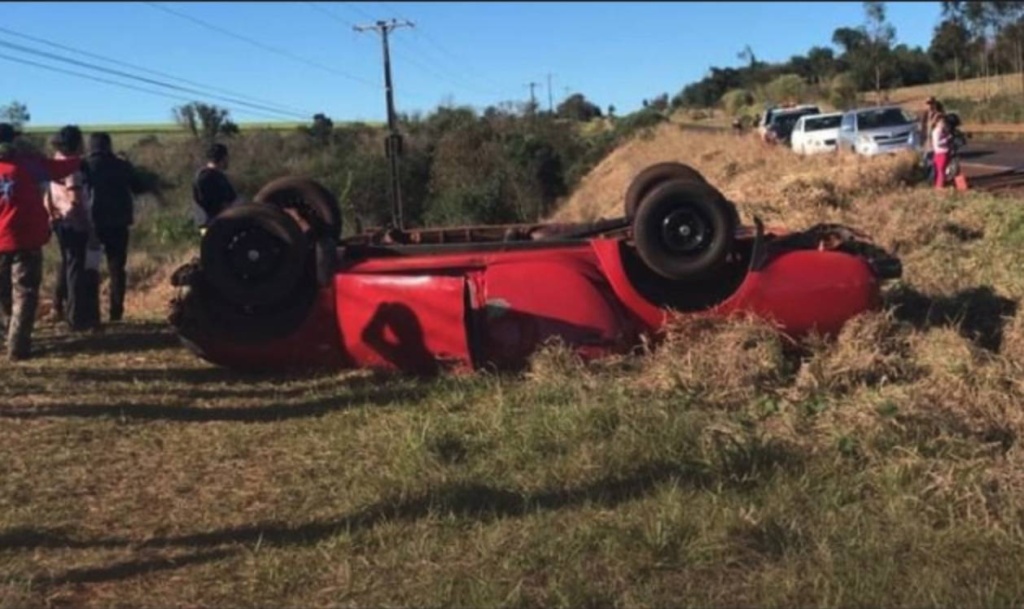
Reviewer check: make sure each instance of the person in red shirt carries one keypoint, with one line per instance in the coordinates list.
(24, 230)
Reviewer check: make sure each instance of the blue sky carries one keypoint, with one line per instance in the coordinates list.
(476, 53)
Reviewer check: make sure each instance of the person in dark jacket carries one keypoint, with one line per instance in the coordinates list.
(111, 184)
(212, 192)
(24, 230)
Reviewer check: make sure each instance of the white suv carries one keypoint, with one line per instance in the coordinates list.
(816, 133)
(871, 131)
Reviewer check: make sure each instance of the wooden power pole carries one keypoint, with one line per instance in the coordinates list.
(393, 143)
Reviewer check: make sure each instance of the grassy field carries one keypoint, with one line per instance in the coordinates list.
(971, 88)
(724, 468)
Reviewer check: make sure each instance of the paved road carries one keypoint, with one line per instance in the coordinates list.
(993, 155)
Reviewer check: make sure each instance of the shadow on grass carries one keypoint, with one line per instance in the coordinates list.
(116, 338)
(361, 391)
(128, 569)
(979, 314)
(466, 500)
(195, 377)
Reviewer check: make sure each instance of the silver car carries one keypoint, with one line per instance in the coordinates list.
(871, 131)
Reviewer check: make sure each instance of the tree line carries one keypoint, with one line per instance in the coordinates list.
(972, 40)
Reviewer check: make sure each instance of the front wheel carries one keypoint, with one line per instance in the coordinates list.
(684, 230)
(648, 179)
(253, 254)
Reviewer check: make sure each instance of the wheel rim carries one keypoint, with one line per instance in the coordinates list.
(254, 254)
(685, 232)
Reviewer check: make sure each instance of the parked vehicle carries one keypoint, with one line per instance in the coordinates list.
(816, 133)
(884, 129)
(275, 287)
(780, 125)
(766, 117)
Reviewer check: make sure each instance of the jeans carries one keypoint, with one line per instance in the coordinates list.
(21, 273)
(71, 297)
(115, 246)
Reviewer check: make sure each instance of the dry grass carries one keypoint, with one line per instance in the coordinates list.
(971, 88)
(772, 182)
(723, 468)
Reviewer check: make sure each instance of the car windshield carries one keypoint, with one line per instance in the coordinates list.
(818, 123)
(882, 117)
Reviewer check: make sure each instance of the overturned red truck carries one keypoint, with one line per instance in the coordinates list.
(276, 286)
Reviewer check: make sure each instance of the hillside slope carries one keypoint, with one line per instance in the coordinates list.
(769, 181)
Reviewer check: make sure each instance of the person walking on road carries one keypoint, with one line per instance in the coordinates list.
(212, 192)
(111, 184)
(24, 230)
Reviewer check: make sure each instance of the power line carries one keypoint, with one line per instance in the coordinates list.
(331, 14)
(144, 79)
(408, 58)
(263, 46)
(425, 35)
(156, 72)
(356, 8)
(114, 82)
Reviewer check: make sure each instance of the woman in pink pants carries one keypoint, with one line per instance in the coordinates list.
(940, 138)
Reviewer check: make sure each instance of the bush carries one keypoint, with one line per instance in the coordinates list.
(736, 100)
(843, 91)
(474, 204)
(786, 88)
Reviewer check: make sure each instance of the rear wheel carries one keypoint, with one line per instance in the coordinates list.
(253, 254)
(654, 175)
(314, 207)
(684, 230)
(207, 316)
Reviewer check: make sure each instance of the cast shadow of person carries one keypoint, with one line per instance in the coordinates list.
(408, 350)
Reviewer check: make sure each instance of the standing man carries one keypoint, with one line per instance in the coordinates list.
(67, 204)
(212, 192)
(24, 230)
(110, 181)
(932, 107)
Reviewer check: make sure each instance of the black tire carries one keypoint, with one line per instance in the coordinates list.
(658, 230)
(654, 175)
(313, 203)
(253, 254)
(210, 316)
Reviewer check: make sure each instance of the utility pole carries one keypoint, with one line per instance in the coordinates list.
(551, 105)
(393, 142)
(533, 98)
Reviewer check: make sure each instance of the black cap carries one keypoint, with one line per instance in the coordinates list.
(7, 133)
